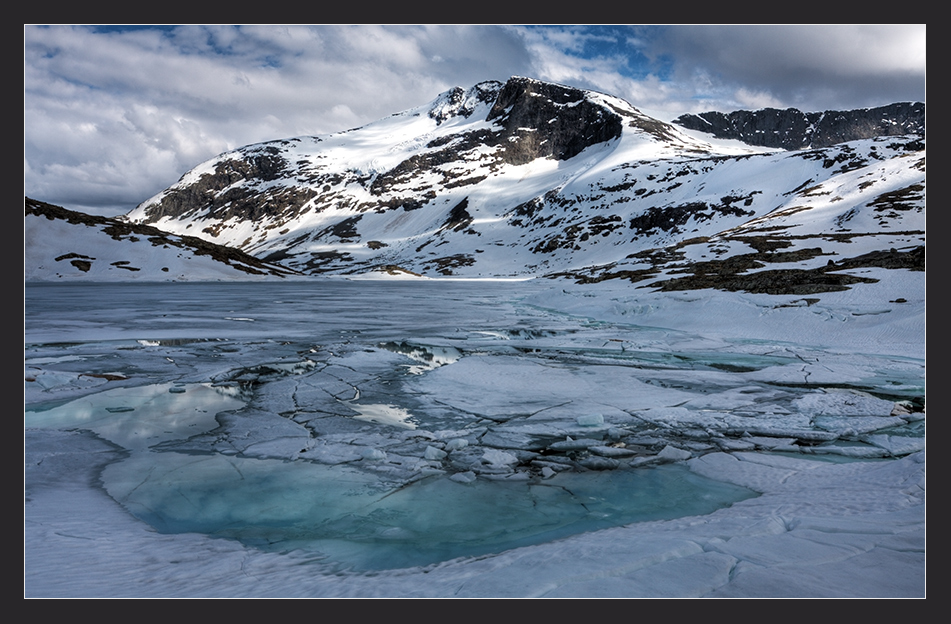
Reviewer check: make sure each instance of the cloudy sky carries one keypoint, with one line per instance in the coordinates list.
(113, 115)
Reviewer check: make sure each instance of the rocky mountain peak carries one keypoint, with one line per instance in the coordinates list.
(461, 102)
(550, 120)
(530, 119)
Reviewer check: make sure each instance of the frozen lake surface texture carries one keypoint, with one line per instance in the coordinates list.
(471, 439)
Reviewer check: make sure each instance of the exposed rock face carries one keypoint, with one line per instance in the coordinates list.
(219, 194)
(550, 120)
(792, 129)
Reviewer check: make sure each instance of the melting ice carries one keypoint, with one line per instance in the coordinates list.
(454, 422)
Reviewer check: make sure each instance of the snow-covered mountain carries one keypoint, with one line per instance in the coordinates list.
(532, 178)
(529, 178)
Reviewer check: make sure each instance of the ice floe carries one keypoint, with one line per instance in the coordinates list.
(645, 455)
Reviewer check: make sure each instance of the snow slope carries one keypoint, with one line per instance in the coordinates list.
(60, 244)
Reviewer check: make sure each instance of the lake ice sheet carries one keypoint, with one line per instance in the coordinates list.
(374, 426)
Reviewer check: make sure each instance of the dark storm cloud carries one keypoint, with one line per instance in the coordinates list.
(810, 67)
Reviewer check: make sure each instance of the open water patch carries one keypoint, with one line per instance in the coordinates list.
(345, 515)
(352, 519)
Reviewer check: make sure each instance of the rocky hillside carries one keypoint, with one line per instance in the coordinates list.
(65, 244)
(792, 129)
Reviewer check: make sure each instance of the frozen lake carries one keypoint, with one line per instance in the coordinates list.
(384, 426)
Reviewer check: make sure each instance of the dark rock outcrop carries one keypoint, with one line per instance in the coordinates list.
(792, 129)
(542, 119)
(219, 194)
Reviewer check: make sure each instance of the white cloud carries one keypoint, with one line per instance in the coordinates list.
(747, 98)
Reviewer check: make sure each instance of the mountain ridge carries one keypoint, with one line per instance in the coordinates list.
(528, 178)
(126, 250)
(793, 129)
